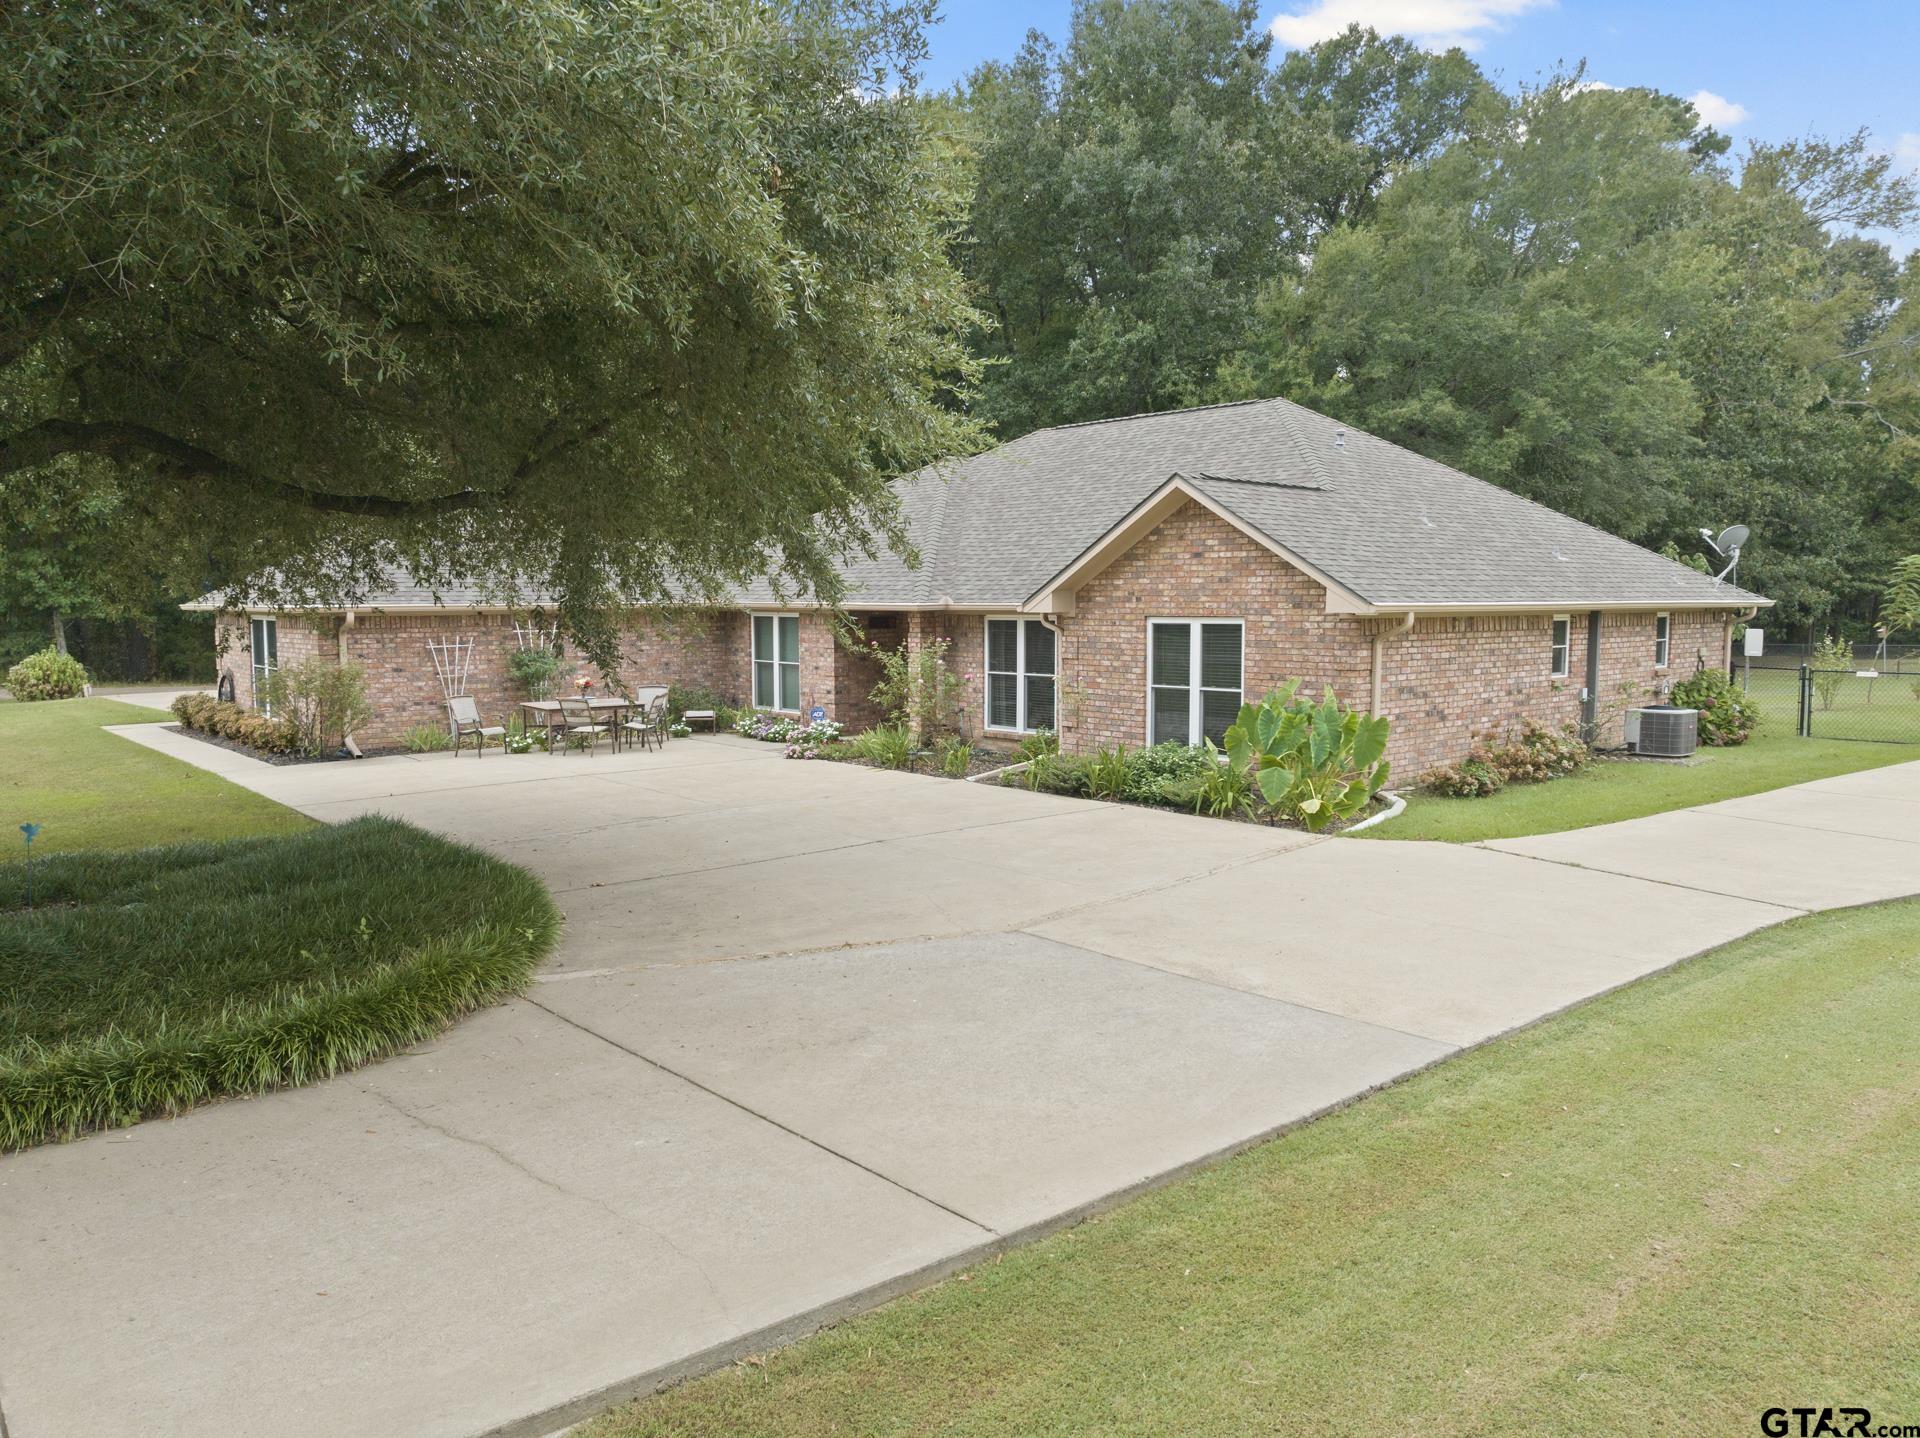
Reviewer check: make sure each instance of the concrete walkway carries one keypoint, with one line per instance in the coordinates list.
(815, 1035)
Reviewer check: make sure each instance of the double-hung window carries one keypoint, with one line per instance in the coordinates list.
(776, 662)
(1194, 679)
(266, 658)
(1662, 640)
(1022, 672)
(1562, 645)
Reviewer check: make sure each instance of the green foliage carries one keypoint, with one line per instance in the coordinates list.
(682, 697)
(1832, 662)
(1900, 600)
(427, 739)
(1222, 790)
(1313, 763)
(953, 756)
(47, 675)
(484, 291)
(1157, 770)
(1107, 772)
(1531, 753)
(237, 723)
(377, 936)
(890, 746)
(1727, 715)
(1038, 744)
(916, 690)
(1052, 772)
(532, 671)
(323, 700)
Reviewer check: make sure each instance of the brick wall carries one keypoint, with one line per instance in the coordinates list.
(295, 639)
(1195, 566)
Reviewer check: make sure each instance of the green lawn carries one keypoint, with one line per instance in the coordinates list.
(88, 789)
(1627, 789)
(1662, 1212)
(1886, 709)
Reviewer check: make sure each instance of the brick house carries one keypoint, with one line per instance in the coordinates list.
(1128, 581)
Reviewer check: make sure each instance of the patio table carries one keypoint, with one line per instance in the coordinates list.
(612, 706)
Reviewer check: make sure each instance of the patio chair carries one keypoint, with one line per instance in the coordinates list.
(575, 722)
(465, 715)
(649, 725)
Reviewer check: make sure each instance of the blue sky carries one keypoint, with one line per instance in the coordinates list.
(1769, 71)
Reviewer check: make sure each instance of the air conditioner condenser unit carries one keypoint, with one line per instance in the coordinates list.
(1663, 732)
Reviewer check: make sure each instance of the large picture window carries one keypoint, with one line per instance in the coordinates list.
(266, 658)
(1022, 672)
(1195, 678)
(776, 662)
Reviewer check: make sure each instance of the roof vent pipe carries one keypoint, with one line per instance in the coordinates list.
(1340, 438)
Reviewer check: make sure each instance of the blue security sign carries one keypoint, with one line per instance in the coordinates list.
(817, 713)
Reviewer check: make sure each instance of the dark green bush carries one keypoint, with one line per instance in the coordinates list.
(1154, 773)
(1728, 716)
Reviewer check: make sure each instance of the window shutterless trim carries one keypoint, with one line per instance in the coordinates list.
(1662, 639)
(1019, 673)
(1560, 636)
(755, 661)
(1196, 691)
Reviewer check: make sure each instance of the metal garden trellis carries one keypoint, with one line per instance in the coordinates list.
(451, 660)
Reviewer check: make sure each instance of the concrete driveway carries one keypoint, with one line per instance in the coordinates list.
(814, 1035)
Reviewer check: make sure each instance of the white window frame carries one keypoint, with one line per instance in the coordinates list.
(259, 626)
(1662, 639)
(754, 661)
(1019, 672)
(1560, 636)
(1195, 707)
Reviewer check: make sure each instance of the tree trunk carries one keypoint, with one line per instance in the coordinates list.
(59, 632)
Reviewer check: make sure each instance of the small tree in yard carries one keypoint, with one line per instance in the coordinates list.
(917, 688)
(1832, 662)
(324, 701)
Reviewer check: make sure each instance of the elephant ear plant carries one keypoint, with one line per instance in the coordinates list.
(1313, 763)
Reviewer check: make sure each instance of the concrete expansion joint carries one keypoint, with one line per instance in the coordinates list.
(766, 1118)
(1492, 846)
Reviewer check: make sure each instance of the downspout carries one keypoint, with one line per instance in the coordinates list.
(1590, 696)
(1379, 662)
(346, 623)
(1052, 622)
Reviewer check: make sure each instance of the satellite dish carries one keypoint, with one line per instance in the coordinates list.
(1727, 544)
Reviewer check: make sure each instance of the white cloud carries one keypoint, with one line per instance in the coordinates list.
(1717, 109)
(1906, 151)
(1432, 24)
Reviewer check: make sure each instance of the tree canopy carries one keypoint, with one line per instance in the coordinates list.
(1574, 291)
(606, 298)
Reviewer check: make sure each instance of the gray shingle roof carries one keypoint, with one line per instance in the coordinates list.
(1393, 527)
(1390, 526)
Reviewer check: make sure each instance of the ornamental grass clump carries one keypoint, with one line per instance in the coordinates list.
(145, 982)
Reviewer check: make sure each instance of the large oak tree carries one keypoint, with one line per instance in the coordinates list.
(608, 298)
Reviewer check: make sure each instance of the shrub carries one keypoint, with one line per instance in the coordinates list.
(1529, 755)
(1160, 773)
(1727, 715)
(1313, 763)
(532, 671)
(682, 697)
(1222, 789)
(890, 746)
(1471, 778)
(781, 729)
(427, 739)
(47, 675)
(1038, 744)
(1056, 773)
(917, 689)
(324, 701)
(237, 723)
(1832, 662)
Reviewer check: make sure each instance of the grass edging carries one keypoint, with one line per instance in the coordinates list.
(299, 1035)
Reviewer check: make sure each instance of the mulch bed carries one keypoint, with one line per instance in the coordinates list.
(266, 757)
(982, 761)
